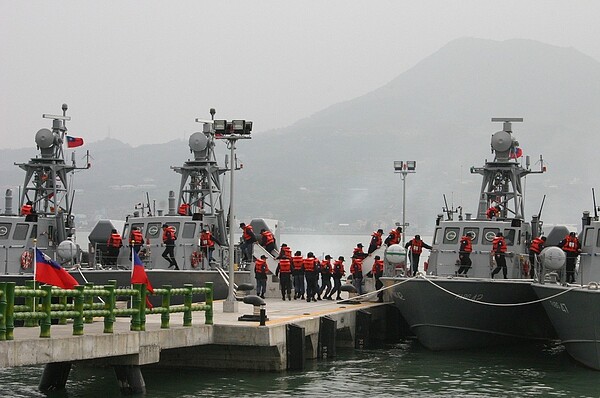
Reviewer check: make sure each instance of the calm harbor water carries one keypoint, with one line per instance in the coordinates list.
(402, 369)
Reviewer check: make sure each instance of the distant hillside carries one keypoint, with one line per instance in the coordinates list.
(336, 166)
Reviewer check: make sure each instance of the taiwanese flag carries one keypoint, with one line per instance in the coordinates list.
(515, 153)
(74, 142)
(138, 275)
(50, 272)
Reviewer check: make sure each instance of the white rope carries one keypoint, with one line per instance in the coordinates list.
(495, 304)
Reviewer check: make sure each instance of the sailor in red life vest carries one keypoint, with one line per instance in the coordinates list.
(285, 251)
(261, 269)
(268, 240)
(499, 253)
(358, 251)
(464, 253)
(248, 239)
(184, 209)
(298, 274)
(207, 245)
(493, 212)
(357, 274)
(394, 237)
(27, 209)
(326, 271)
(338, 274)
(114, 244)
(169, 238)
(415, 247)
(311, 275)
(536, 247)
(377, 272)
(376, 241)
(571, 246)
(284, 271)
(136, 239)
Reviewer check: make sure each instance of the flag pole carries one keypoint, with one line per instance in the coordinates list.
(34, 270)
(132, 265)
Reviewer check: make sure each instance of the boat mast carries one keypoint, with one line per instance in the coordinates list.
(502, 178)
(200, 185)
(46, 183)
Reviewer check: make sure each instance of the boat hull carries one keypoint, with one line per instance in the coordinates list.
(576, 318)
(443, 321)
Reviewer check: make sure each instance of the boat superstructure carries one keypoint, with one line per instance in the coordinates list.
(48, 197)
(448, 311)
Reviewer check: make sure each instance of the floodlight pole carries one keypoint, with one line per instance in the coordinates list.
(404, 167)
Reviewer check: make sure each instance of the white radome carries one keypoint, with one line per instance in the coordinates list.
(395, 254)
(67, 250)
(553, 258)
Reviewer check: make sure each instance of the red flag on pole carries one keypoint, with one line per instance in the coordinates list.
(138, 275)
(74, 142)
(50, 272)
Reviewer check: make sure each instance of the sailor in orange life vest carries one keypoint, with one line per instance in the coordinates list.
(377, 272)
(298, 274)
(184, 209)
(338, 274)
(493, 212)
(248, 239)
(114, 244)
(415, 246)
(207, 245)
(499, 253)
(169, 239)
(285, 251)
(536, 247)
(464, 253)
(27, 209)
(358, 251)
(261, 269)
(284, 271)
(311, 273)
(394, 237)
(357, 274)
(136, 239)
(326, 271)
(267, 240)
(571, 246)
(376, 241)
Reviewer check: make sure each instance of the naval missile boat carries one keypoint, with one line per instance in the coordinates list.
(447, 310)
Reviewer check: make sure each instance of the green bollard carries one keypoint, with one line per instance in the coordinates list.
(89, 300)
(208, 314)
(135, 304)
(31, 302)
(166, 303)
(46, 308)
(187, 303)
(109, 305)
(143, 295)
(2, 311)
(10, 310)
(113, 282)
(63, 301)
(78, 320)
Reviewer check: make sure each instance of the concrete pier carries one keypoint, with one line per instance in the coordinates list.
(316, 330)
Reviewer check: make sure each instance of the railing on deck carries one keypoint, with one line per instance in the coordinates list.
(39, 308)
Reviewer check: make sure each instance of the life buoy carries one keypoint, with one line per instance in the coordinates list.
(26, 259)
(195, 259)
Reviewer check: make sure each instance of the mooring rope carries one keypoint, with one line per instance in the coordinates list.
(420, 275)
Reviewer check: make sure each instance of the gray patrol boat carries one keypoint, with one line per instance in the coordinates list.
(573, 308)
(448, 311)
(50, 226)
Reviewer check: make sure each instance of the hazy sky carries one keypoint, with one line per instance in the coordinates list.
(141, 71)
